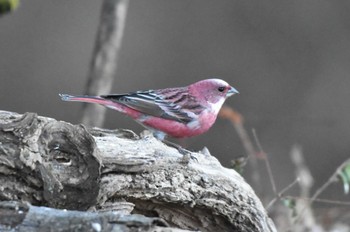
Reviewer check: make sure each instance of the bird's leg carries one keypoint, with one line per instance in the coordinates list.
(181, 150)
(186, 153)
(158, 135)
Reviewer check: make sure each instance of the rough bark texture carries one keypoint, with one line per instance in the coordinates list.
(16, 216)
(55, 164)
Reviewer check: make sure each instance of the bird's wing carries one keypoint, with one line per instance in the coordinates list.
(173, 104)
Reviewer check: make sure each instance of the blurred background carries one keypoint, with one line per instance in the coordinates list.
(290, 61)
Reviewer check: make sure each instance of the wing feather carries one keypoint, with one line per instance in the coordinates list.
(174, 104)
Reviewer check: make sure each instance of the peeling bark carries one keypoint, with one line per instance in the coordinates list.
(55, 164)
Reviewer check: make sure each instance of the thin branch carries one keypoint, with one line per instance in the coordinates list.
(237, 121)
(267, 162)
(302, 171)
(330, 180)
(306, 182)
(280, 194)
(104, 60)
(320, 190)
(347, 203)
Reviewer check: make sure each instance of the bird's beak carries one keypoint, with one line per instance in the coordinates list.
(231, 92)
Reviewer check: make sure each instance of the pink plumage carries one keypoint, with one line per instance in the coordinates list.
(178, 112)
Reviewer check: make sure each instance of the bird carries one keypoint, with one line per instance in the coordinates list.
(178, 112)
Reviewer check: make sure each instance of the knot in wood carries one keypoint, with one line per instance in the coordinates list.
(70, 168)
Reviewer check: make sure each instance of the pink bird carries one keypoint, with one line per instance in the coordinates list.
(178, 112)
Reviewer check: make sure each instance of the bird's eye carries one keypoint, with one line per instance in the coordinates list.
(221, 89)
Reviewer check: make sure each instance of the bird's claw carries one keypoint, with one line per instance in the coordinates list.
(187, 155)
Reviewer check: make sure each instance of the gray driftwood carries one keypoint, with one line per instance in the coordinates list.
(117, 177)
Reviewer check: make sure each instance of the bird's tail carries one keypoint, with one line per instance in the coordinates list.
(82, 98)
(94, 99)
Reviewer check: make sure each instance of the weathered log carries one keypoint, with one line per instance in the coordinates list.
(16, 216)
(56, 164)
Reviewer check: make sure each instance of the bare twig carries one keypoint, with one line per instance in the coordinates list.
(320, 190)
(302, 171)
(280, 194)
(104, 60)
(267, 162)
(306, 181)
(342, 203)
(330, 180)
(237, 121)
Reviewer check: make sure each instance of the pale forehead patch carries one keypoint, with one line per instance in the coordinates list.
(219, 82)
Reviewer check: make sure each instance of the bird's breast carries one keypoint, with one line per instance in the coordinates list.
(176, 129)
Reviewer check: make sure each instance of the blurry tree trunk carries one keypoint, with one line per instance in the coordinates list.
(134, 183)
(104, 59)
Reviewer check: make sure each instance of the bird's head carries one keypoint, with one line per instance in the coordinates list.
(212, 91)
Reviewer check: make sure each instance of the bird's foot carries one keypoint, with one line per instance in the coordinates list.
(187, 155)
